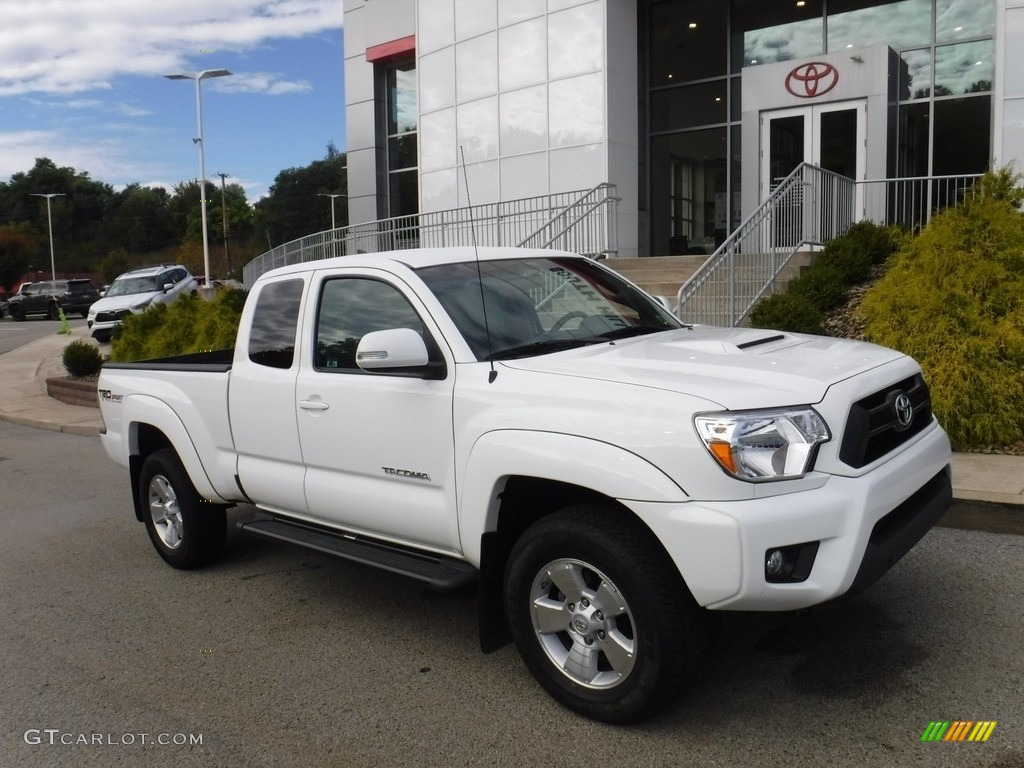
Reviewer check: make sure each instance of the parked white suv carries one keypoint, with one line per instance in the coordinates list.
(134, 291)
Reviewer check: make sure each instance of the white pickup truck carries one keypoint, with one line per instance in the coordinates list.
(530, 421)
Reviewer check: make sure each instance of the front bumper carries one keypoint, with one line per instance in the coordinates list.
(863, 526)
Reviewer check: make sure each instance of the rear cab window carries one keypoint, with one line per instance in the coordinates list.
(275, 322)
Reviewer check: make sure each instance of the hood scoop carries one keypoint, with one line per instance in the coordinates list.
(762, 340)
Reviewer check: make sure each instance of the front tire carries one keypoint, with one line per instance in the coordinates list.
(600, 615)
(53, 312)
(17, 313)
(186, 531)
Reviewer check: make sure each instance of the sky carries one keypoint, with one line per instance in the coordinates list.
(81, 82)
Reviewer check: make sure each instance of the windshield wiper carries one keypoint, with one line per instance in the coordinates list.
(631, 330)
(539, 348)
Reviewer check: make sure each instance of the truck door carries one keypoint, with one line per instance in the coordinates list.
(378, 447)
(261, 399)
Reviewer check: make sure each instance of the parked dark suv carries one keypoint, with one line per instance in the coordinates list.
(50, 296)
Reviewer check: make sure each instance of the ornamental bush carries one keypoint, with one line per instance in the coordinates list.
(190, 324)
(82, 359)
(844, 262)
(953, 298)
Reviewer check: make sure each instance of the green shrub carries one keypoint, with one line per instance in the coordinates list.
(189, 324)
(82, 359)
(844, 262)
(787, 312)
(953, 298)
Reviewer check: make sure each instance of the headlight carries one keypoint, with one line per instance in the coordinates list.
(763, 445)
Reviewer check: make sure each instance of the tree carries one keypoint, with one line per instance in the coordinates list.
(141, 220)
(78, 217)
(293, 207)
(16, 249)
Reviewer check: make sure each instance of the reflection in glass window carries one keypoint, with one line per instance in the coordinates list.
(767, 32)
(274, 322)
(861, 24)
(402, 122)
(963, 68)
(962, 19)
(352, 307)
(916, 74)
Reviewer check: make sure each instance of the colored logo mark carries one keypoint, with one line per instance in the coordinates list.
(810, 80)
(958, 730)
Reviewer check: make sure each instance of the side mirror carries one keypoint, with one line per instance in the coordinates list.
(393, 348)
(397, 350)
(168, 286)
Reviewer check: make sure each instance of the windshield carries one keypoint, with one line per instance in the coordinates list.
(125, 286)
(540, 305)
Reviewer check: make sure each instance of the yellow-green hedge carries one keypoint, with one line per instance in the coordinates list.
(189, 324)
(953, 298)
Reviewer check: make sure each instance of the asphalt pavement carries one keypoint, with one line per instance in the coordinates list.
(989, 488)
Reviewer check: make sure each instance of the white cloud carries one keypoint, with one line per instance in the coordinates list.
(49, 46)
(262, 82)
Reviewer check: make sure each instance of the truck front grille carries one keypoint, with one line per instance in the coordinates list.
(873, 428)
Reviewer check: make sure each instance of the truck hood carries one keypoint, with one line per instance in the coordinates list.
(736, 368)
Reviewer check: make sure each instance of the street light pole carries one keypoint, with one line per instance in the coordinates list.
(334, 241)
(199, 77)
(49, 220)
(224, 220)
(333, 198)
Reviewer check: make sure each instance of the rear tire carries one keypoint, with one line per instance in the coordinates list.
(53, 312)
(186, 531)
(600, 615)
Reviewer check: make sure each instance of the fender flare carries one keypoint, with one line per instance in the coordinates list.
(598, 466)
(150, 411)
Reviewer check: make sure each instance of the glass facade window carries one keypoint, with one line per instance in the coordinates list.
(963, 19)
(402, 124)
(696, 51)
(866, 23)
(765, 32)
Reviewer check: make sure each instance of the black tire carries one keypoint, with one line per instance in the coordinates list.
(84, 313)
(17, 313)
(186, 531)
(53, 312)
(630, 643)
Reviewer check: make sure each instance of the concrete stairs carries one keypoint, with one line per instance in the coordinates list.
(658, 275)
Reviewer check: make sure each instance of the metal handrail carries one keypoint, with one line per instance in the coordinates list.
(590, 229)
(809, 207)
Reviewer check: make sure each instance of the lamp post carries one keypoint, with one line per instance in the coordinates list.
(49, 220)
(224, 220)
(334, 241)
(199, 77)
(333, 198)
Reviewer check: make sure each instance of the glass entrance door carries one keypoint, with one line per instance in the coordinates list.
(831, 136)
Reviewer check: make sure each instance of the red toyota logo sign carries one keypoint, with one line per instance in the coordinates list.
(810, 80)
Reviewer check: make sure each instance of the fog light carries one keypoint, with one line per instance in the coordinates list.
(775, 564)
(790, 564)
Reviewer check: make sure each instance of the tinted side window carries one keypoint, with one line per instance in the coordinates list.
(352, 307)
(274, 323)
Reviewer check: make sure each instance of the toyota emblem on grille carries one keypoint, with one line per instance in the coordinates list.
(903, 409)
(814, 79)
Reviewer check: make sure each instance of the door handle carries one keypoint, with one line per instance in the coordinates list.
(313, 405)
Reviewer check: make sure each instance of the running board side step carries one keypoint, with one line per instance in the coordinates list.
(441, 573)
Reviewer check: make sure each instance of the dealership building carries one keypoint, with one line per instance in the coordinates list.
(692, 110)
